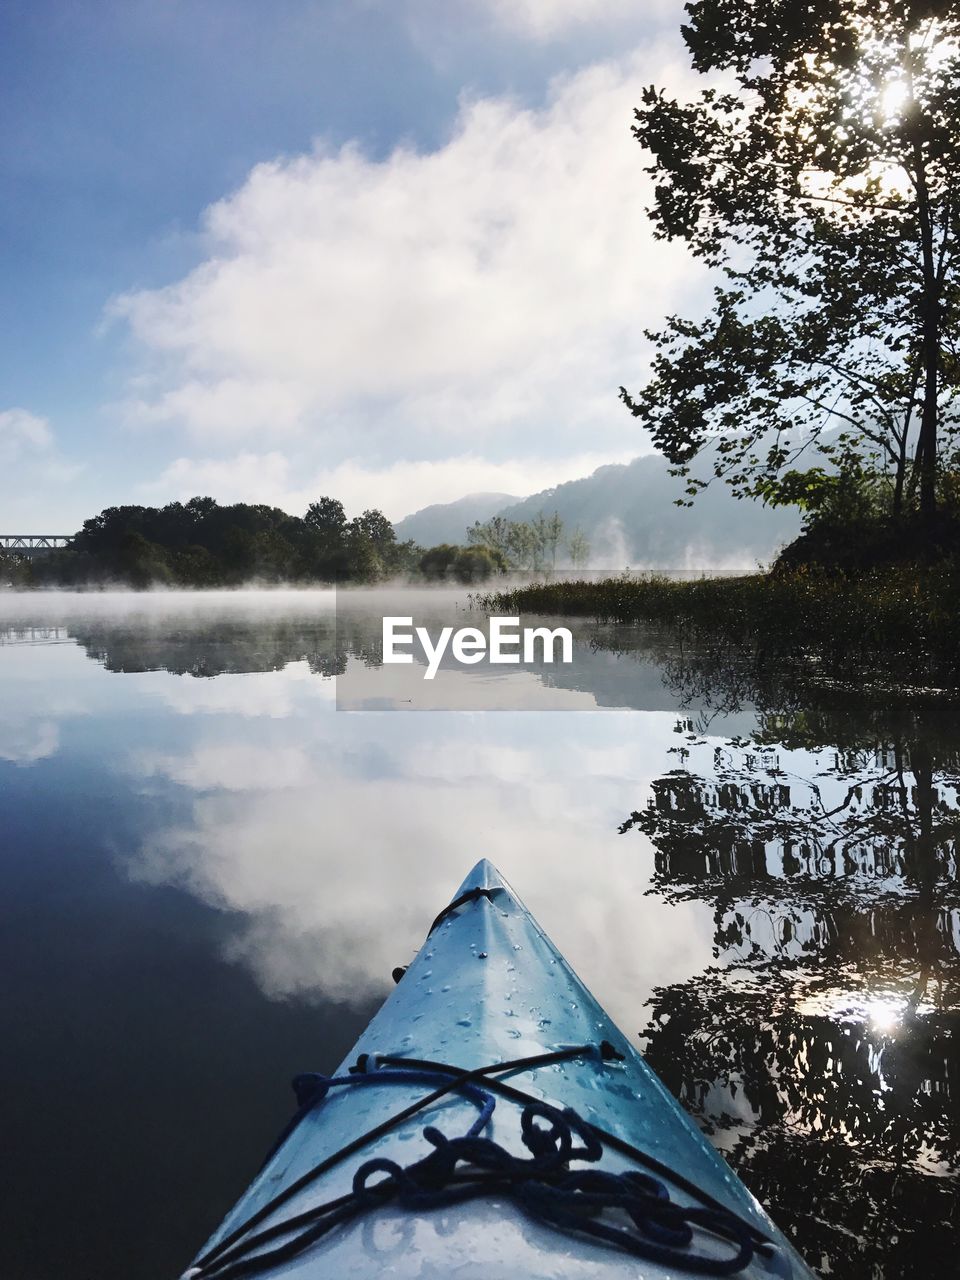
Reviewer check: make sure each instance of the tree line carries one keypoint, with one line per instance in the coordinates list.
(203, 544)
(200, 543)
(530, 544)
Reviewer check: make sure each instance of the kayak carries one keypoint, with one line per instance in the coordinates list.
(493, 1123)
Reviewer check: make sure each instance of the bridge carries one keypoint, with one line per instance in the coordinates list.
(34, 544)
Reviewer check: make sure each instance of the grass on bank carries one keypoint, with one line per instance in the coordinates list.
(899, 623)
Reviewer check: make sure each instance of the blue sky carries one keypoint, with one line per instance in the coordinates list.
(392, 250)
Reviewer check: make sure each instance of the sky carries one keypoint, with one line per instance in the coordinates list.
(394, 251)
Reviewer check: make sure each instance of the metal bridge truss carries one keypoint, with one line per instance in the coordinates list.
(28, 544)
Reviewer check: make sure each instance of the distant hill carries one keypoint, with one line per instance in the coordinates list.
(629, 517)
(448, 521)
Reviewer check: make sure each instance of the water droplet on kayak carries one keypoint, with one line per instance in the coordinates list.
(517, 946)
(514, 1035)
(446, 988)
(464, 1022)
(482, 955)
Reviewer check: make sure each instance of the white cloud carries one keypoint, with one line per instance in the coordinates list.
(26, 743)
(22, 434)
(396, 489)
(517, 33)
(483, 300)
(245, 695)
(246, 477)
(44, 676)
(33, 473)
(543, 20)
(234, 767)
(327, 904)
(222, 405)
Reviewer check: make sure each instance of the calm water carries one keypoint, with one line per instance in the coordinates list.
(224, 822)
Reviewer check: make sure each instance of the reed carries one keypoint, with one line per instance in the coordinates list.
(896, 623)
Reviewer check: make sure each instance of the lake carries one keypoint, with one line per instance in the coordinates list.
(225, 821)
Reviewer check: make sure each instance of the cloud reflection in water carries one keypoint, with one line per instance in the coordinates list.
(339, 836)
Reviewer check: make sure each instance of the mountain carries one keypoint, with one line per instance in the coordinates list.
(449, 521)
(628, 515)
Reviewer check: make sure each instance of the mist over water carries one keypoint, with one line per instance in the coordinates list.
(213, 865)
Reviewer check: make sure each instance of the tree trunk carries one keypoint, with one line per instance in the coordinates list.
(926, 460)
(901, 476)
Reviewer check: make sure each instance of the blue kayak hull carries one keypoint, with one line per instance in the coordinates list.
(489, 986)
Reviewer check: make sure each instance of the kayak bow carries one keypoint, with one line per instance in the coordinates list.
(493, 1123)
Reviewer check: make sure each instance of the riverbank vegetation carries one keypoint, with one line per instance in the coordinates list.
(890, 625)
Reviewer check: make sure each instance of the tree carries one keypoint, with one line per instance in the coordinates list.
(404, 557)
(375, 525)
(523, 545)
(364, 563)
(437, 562)
(520, 544)
(371, 546)
(326, 517)
(544, 539)
(200, 508)
(493, 533)
(465, 564)
(554, 536)
(824, 185)
(578, 548)
(140, 562)
(477, 564)
(14, 570)
(326, 525)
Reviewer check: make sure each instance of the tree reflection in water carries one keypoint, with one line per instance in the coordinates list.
(821, 1052)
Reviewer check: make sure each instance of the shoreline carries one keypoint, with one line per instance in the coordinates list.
(897, 624)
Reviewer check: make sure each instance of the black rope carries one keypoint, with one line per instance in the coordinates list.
(454, 1081)
(545, 1187)
(471, 895)
(611, 1140)
(310, 1088)
(370, 1061)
